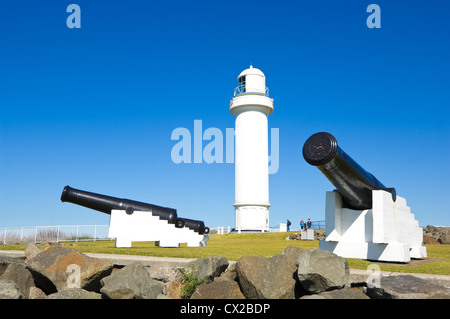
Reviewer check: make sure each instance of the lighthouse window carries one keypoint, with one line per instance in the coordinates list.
(242, 84)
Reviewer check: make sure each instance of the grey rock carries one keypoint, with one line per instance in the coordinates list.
(294, 236)
(405, 287)
(358, 280)
(319, 235)
(229, 274)
(444, 239)
(430, 240)
(20, 275)
(345, 293)
(320, 270)
(9, 290)
(269, 278)
(440, 296)
(75, 293)
(5, 261)
(440, 282)
(32, 251)
(207, 268)
(169, 276)
(36, 293)
(59, 268)
(131, 282)
(315, 296)
(164, 273)
(225, 289)
(441, 235)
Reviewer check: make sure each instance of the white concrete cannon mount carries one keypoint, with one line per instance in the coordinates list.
(387, 232)
(143, 226)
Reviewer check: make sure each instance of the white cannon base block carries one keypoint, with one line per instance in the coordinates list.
(143, 226)
(252, 218)
(387, 232)
(307, 234)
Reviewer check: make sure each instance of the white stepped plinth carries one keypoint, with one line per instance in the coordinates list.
(143, 226)
(387, 232)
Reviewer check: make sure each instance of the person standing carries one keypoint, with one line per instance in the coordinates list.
(288, 223)
(302, 224)
(308, 223)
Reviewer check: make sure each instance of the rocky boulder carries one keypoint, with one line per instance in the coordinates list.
(320, 270)
(228, 274)
(20, 275)
(345, 293)
(36, 293)
(59, 268)
(294, 236)
(9, 290)
(207, 268)
(440, 234)
(444, 239)
(32, 251)
(5, 261)
(170, 277)
(405, 287)
(430, 240)
(75, 293)
(131, 282)
(269, 278)
(224, 289)
(319, 235)
(164, 273)
(311, 274)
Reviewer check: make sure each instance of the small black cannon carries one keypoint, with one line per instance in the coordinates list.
(350, 179)
(105, 204)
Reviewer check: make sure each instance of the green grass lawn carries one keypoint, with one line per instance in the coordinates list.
(235, 246)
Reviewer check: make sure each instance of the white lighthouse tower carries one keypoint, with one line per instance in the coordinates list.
(251, 105)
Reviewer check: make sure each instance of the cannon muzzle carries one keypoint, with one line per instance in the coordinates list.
(353, 182)
(196, 225)
(105, 204)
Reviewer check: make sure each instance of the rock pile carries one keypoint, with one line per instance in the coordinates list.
(318, 235)
(436, 235)
(65, 273)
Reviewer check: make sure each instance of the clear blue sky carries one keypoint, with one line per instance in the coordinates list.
(94, 108)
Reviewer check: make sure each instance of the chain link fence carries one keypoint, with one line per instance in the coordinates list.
(60, 233)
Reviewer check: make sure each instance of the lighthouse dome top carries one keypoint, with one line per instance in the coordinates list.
(251, 92)
(251, 71)
(251, 80)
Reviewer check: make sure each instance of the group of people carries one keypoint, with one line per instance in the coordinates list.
(303, 225)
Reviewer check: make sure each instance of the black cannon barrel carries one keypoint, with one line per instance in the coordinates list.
(196, 225)
(105, 204)
(353, 182)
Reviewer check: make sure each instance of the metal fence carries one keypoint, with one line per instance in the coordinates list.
(43, 234)
(60, 233)
(317, 225)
